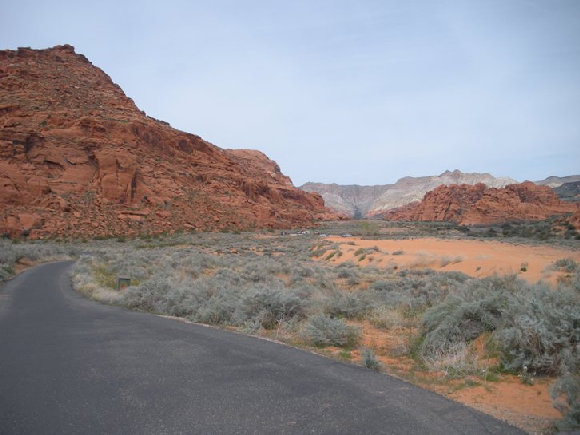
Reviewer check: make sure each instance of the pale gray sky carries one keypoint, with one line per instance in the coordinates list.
(340, 91)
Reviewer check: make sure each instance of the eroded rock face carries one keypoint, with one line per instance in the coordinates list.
(78, 158)
(361, 201)
(468, 205)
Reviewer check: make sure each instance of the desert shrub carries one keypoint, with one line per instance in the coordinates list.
(415, 291)
(541, 330)
(321, 330)
(217, 307)
(457, 277)
(566, 264)
(445, 260)
(457, 359)
(255, 273)
(301, 271)
(11, 252)
(533, 326)
(269, 306)
(347, 271)
(318, 251)
(346, 304)
(369, 360)
(566, 396)
(383, 286)
(194, 263)
(463, 316)
(385, 317)
(369, 228)
(154, 295)
(6, 271)
(226, 276)
(7, 253)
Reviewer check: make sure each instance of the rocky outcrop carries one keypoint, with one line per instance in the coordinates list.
(353, 200)
(349, 200)
(468, 205)
(78, 158)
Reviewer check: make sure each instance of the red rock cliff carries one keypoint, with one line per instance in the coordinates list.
(77, 157)
(468, 205)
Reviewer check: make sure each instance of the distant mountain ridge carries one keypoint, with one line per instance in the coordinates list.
(366, 201)
(568, 191)
(554, 181)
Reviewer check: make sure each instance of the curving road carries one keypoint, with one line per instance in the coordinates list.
(69, 365)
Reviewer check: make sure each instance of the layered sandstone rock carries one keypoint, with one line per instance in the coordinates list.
(359, 201)
(468, 205)
(77, 157)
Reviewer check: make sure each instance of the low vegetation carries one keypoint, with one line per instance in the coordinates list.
(15, 253)
(284, 286)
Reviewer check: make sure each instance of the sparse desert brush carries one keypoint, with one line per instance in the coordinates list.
(422, 260)
(456, 359)
(388, 318)
(446, 260)
(11, 253)
(321, 330)
(225, 279)
(399, 252)
(271, 306)
(566, 396)
(566, 265)
(369, 360)
(347, 271)
(462, 317)
(383, 286)
(7, 253)
(541, 330)
(318, 250)
(532, 326)
(350, 305)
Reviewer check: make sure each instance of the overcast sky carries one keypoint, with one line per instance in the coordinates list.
(339, 91)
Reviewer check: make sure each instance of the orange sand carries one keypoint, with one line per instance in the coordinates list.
(526, 406)
(472, 257)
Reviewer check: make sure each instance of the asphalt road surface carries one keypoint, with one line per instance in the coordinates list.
(69, 365)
